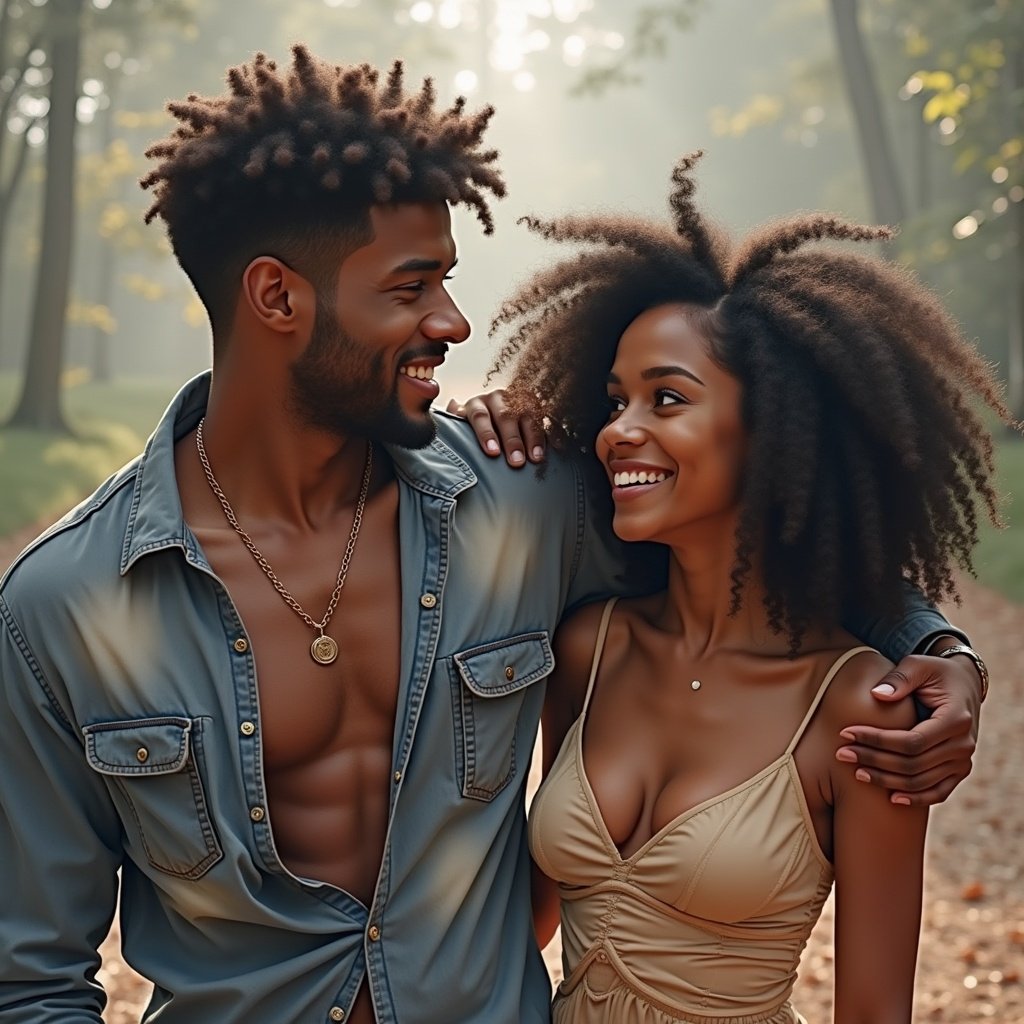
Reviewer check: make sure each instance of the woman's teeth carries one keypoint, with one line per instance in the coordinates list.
(419, 372)
(627, 479)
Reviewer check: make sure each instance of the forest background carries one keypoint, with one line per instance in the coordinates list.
(908, 112)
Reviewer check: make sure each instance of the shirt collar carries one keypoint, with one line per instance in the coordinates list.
(156, 521)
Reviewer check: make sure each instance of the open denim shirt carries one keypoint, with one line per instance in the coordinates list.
(130, 739)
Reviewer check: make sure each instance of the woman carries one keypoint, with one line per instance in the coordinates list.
(794, 426)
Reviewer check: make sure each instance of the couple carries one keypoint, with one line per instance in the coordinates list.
(311, 779)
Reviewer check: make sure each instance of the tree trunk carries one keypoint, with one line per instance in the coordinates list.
(884, 188)
(102, 356)
(39, 406)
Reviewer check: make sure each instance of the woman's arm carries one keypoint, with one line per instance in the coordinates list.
(879, 862)
(563, 703)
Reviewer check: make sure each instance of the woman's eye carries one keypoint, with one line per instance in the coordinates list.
(666, 397)
(615, 404)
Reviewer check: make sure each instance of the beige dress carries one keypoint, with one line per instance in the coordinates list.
(705, 923)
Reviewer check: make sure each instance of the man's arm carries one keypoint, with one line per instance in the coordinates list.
(922, 765)
(59, 847)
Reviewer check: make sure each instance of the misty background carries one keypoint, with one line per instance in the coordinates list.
(899, 111)
(595, 100)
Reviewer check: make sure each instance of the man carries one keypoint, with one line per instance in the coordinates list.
(310, 779)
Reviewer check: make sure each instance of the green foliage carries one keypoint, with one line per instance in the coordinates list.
(43, 475)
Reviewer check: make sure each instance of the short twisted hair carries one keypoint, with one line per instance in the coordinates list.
(292, 161)
(866, 455)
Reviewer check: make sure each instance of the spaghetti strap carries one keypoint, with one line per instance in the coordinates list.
(602, 633)
(829, 676)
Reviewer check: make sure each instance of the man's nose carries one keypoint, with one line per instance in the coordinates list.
(446, 323)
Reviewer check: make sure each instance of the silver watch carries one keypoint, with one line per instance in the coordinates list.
(969, 652)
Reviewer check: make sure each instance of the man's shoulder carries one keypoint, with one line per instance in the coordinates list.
(84, 543)
(553, 478)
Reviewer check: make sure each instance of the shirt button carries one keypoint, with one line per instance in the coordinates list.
(247, 728)
(398, 776)
(374, 933)
(257, 814)
(241, 645)
(510, 673)
(142, 755)
(428, 600)
(337, 1013)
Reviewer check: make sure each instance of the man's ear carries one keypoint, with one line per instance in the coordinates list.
(280, 299)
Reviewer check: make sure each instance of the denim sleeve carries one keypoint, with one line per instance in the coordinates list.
(896, 638)
(59, 847)
(605, 566)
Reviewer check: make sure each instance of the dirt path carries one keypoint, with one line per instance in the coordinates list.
(971, 965)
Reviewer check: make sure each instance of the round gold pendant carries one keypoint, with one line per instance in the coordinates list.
(324, 650)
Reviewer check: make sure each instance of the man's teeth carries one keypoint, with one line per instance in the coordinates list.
(419, 372)
(627, 479)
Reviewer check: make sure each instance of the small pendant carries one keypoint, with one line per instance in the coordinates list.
(323, 649)
(695, 685)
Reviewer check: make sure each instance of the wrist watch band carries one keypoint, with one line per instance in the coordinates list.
(969, 652)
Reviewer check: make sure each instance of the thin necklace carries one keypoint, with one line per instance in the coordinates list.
(324, 649)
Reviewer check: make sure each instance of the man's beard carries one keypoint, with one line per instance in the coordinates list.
(342, 386)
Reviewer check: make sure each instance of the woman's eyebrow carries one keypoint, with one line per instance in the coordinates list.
(670, 371)
(662, 371)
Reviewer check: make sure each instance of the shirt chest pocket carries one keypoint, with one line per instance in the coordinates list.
(490, 684)
(153, 769)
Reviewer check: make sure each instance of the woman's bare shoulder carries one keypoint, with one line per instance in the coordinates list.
(849, 700)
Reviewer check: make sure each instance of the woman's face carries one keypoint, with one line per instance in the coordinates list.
(674, 443)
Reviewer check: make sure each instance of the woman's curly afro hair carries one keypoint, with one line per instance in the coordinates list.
(866, 454)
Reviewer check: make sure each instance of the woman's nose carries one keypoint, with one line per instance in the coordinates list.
(623, 431)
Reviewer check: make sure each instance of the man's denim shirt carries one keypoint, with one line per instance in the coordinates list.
(130, 739)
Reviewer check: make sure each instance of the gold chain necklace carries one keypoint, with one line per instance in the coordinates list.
(324, 649)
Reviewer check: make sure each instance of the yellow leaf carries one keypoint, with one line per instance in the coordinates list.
(937, 81)
(935, 108)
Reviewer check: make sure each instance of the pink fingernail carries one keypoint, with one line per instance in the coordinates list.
(843, 754)
(847, 735)
(861, 776)
(885, 689)
(492, 447)
(904, 801)
(538, 452)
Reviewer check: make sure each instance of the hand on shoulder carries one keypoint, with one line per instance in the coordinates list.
(850, 699)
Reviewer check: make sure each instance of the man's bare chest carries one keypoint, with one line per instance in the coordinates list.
(308, 708)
